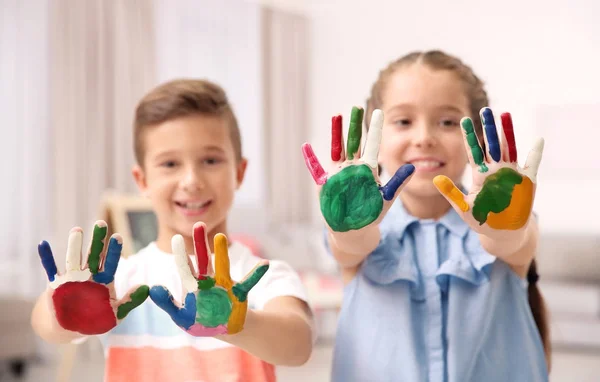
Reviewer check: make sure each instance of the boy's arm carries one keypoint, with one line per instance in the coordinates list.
(518, 254)
(281, 333)
(45, 325)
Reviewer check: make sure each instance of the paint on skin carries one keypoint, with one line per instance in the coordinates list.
(213, 307)
(312, 163)
(96, 248)
(201, 250)
(351, 199)
(509, 134)
(476, 152)
(389, 190)
(183, 317)
(336, 138)
(371, 153)
(47, 259)
(135, 299)
(496, 194)
(110, 264)
(198, 330)
(241, 290)
(450, 191)
(491, 133)
(354, 132)
(519, 210)
(84, 307)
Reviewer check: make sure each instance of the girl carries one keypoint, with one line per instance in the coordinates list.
(440, 286)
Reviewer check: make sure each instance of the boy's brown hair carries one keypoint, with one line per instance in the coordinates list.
(182, 98)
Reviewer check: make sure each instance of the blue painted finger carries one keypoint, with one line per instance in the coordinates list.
(110, 263)
(183, 317)
(491, 133)
(389, 190)
(47, 259)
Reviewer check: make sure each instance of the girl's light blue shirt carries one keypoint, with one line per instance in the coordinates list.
(430, 304)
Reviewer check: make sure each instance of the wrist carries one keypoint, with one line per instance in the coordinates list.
(506, 242)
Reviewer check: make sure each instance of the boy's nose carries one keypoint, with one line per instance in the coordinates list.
(192, 181)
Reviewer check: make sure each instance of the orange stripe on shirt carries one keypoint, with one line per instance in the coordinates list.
(230, 364)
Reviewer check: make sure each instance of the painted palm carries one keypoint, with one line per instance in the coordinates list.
(351, 195)
(84, 298)
(213, 303)
(502, 194)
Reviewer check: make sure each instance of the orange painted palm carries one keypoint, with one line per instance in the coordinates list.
(501, 198)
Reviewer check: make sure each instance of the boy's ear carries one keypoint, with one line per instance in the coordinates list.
(140, 179)
(241, 171)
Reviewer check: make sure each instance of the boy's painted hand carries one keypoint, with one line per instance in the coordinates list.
(214, 304)
(83, 298)
(351, 195)
(501, 199)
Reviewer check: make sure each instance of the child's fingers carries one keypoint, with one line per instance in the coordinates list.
(241, 289)
(47, 259)
(390, 189)
(183, 264)
(509, 137)
(184, 316)
(313, 165)
(337, 141)
(97, 246)
(534, 159)
(132, 300)
(371, 154)
(222, 276)
(474, 151)
(74, 249)
(113, 254)
(354, 132)
(451, 192)
(491, 134)
(201, 248)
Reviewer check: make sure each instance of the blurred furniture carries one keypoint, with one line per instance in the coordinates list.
(17, 339)
(569, 268)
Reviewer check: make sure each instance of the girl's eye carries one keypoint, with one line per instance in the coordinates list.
(449, 122)
(402, 122)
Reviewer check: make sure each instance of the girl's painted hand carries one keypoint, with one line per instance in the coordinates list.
(214, 304)
(500, 202)
(83, 298)
(351, 195)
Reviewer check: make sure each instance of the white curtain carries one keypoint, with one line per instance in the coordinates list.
(286, 60)
(26, 187)
(102, 61)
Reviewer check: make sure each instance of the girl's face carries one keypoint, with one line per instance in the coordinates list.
(422, 112)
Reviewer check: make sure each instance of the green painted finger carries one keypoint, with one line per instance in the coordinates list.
(354, 131)
(96, 248)
(476, 152)
(136, 299)
(241, 290)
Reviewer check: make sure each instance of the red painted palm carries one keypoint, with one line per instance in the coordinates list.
(83, 298)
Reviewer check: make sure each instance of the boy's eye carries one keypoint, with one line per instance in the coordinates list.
(168, 164)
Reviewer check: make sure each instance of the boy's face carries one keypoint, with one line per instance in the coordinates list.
(190, 173)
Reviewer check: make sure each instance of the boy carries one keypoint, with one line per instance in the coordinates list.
(189, 164)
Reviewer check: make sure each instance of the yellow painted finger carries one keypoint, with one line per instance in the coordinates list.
(222, 276)
(451, 192)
